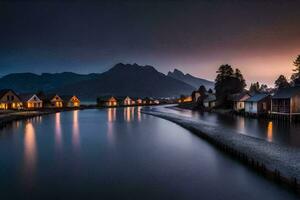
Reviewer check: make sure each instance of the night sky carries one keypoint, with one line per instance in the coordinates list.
(260, 37)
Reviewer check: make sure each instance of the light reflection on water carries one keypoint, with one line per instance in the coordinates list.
(76, 131)
(129, 114)
(270, 131)
(30, 151)
(111, 114)
(58, 134)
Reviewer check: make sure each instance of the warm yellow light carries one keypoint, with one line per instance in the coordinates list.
(30, 147)
(270, 131)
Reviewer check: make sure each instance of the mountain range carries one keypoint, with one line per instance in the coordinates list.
(122, 79)
(191, 80)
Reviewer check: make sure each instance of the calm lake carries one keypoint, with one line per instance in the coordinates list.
(119, 153)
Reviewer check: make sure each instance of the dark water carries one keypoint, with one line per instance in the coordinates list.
(119, 154)
(280, 132)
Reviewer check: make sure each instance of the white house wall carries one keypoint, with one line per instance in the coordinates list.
(249, 108)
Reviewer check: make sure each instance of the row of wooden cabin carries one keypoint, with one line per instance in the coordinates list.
(111, 101)
(11, 100)
(285, 101)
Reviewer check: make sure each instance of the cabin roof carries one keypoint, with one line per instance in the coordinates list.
(4, 91)
(50, 96)
(257, 97)
(26, 96)
(105, 98)
(238, 96)
(210, 97)
(286, 93)
(67, 97)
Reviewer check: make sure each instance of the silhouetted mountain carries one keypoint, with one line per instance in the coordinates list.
(191, 80)
(29, 82)
(122, 79)
(132, 80)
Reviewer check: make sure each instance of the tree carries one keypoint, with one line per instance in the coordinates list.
(295, 78)
(239, 75)
(254, 87)
(223, 72)
(202, 90)
(281, 82)
(228, 82)
(263, 88)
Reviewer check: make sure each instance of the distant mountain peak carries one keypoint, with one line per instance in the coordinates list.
(190, 79)
(132, 67)
(176, 72)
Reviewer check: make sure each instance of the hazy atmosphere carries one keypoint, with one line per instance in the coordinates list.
(259, 37)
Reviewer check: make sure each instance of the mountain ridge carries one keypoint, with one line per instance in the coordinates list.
(190, 79)
(121, 79)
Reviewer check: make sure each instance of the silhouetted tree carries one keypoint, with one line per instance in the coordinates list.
(281, 82)
(239, 75)
(295, 78)
(228, 82)
(263, 88)
(254, 87)
(202, 90)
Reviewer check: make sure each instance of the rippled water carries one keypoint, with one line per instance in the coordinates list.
(119, 154)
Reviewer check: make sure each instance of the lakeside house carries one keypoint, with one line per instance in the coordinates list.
(139, 101)
(258, 104)
(9, 100)
(51, 100)
(70, 101)
(107, 101)
(286, 101)
(238, 100)
(146, 101)
(156, 101)
(210, 101)
(31, 101)
(195, 96)
(125, 101)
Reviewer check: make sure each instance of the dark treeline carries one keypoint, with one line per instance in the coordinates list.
(231, 81)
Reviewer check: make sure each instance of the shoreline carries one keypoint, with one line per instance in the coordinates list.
(278, 163)
(10, 117)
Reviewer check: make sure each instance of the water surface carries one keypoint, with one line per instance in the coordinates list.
(281, 132)
(119, 154)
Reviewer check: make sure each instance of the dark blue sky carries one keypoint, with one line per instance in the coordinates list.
(194, 36)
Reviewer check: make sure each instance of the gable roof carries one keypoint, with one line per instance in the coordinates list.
(106, 98)
(67, 98)
(210, 98)
(122, 98)
(4, 91)
(49, 97)
(238, 96)
(286, 93)
(257, 97)
(27, 96)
